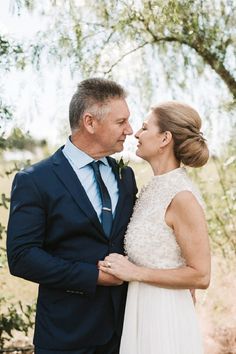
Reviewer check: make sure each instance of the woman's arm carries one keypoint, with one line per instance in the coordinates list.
(187, 219)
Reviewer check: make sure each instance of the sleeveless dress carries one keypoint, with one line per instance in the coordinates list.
(158, 320)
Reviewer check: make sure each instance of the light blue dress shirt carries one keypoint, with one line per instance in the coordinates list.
(79, 161)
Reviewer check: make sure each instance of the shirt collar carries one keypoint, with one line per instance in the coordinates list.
(79, 157)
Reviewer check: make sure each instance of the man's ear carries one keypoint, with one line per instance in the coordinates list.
(167, 138)
(89, 121)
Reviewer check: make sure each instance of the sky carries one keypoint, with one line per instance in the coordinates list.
(40, 100)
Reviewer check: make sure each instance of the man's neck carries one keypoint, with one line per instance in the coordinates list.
(89, 147)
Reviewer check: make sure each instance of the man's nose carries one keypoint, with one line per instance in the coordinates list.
(128, 129)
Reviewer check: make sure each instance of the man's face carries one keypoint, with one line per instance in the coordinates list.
(110, 131)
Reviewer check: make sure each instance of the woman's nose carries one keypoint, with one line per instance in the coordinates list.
(137, 134)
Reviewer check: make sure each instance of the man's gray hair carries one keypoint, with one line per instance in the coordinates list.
(92, 95)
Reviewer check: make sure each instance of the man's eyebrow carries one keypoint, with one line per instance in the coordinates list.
(122, 118)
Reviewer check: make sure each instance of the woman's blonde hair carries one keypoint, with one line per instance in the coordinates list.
(184, 123)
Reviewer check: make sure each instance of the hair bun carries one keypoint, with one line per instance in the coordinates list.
(184, 123)
(193, 152)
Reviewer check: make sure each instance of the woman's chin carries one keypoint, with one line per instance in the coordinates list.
(138, 153)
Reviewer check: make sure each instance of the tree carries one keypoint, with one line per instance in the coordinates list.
(204, 27)
(99, 35)
(203, 32)
(11, 55)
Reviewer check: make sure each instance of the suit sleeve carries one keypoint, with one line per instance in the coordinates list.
(25, 238)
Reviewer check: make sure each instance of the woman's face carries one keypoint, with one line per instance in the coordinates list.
(149, 138)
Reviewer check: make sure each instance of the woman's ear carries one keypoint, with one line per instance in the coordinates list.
(167, 138)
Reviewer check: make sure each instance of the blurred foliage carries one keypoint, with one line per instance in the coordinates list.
(218, 187)
(14, 318)
(4, 200)
(5, 111)
(112, 29)
(12, 54)
(221, 207)
(196, 32)
(5, 114)
(18, 140)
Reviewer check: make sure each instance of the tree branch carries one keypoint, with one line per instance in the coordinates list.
(125, 55)
(210, 58)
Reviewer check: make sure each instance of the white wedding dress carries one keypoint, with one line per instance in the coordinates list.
(158, 320)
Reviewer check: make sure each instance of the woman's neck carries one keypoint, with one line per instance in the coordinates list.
(164, 165)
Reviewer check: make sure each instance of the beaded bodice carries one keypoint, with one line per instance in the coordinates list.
(149, 241)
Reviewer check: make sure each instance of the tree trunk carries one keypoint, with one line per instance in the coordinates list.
(210, 58)
(218, 66)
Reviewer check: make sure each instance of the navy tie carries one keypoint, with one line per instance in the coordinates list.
(107, 217)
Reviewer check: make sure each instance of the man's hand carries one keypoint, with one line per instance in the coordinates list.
(105, 279)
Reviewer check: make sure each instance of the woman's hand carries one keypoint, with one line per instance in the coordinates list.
(119, 266)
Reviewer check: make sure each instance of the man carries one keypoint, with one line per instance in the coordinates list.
(67, 213)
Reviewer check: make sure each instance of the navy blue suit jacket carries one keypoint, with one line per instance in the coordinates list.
(55, 239)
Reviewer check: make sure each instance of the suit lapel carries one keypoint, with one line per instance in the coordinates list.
(68, 177)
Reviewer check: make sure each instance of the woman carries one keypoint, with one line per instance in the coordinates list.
(166, 241)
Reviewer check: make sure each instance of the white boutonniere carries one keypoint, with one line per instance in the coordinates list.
(120, 165)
